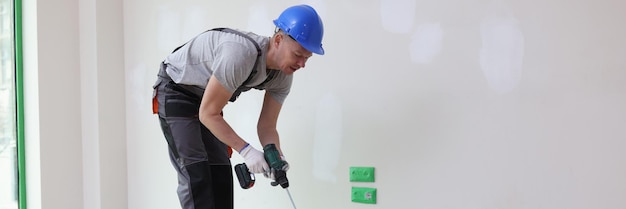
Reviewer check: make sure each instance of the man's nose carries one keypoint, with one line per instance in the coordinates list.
(302, 62)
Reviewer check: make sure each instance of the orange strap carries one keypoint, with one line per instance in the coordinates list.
(155, 104)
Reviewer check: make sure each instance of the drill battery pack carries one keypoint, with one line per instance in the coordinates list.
(246, 179)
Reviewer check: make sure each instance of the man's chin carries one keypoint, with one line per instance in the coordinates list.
(289, 71)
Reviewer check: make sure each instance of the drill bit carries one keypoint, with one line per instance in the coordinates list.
(292, 203)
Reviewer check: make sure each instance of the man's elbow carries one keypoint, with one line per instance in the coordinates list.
(206, 117)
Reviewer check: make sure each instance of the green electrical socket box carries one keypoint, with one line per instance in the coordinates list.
(364, 195)
(362, 174)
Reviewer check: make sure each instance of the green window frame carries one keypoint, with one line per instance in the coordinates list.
(19, 96)
(13, 141)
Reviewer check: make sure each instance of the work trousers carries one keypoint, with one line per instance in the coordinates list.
(202, 161)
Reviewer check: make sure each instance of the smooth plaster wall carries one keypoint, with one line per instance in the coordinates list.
(75, 117)
(458, 104)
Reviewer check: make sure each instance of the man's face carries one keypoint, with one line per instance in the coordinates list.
(293, 55)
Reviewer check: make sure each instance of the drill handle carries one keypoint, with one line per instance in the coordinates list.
(272, 157)
(277, 165)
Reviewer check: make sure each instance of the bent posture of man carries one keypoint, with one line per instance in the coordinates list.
(199, 78)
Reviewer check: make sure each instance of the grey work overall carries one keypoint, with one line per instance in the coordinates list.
(201, 160)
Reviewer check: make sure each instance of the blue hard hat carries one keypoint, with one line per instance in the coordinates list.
(303, 24)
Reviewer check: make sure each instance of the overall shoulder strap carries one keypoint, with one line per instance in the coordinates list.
(258, 49)
(256, 62)
(256, 45)
(228, 30)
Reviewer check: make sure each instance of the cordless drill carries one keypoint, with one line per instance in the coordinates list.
(276, 164)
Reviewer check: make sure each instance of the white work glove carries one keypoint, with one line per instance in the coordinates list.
(255, 161)
(286, 167)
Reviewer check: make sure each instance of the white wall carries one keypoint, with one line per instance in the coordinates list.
(458, 104)
(74, 104)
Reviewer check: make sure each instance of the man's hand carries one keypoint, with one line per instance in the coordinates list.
(286, 166)
(270, 173)
(254, 159)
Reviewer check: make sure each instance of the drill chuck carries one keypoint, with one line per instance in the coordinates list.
(280, 177)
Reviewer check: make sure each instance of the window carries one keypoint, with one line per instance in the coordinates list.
(11, 167)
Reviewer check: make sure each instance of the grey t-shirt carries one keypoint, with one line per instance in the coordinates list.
(228, 56)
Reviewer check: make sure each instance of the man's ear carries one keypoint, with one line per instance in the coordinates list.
(278, 38)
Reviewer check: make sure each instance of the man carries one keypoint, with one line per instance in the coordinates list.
(198, 79)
